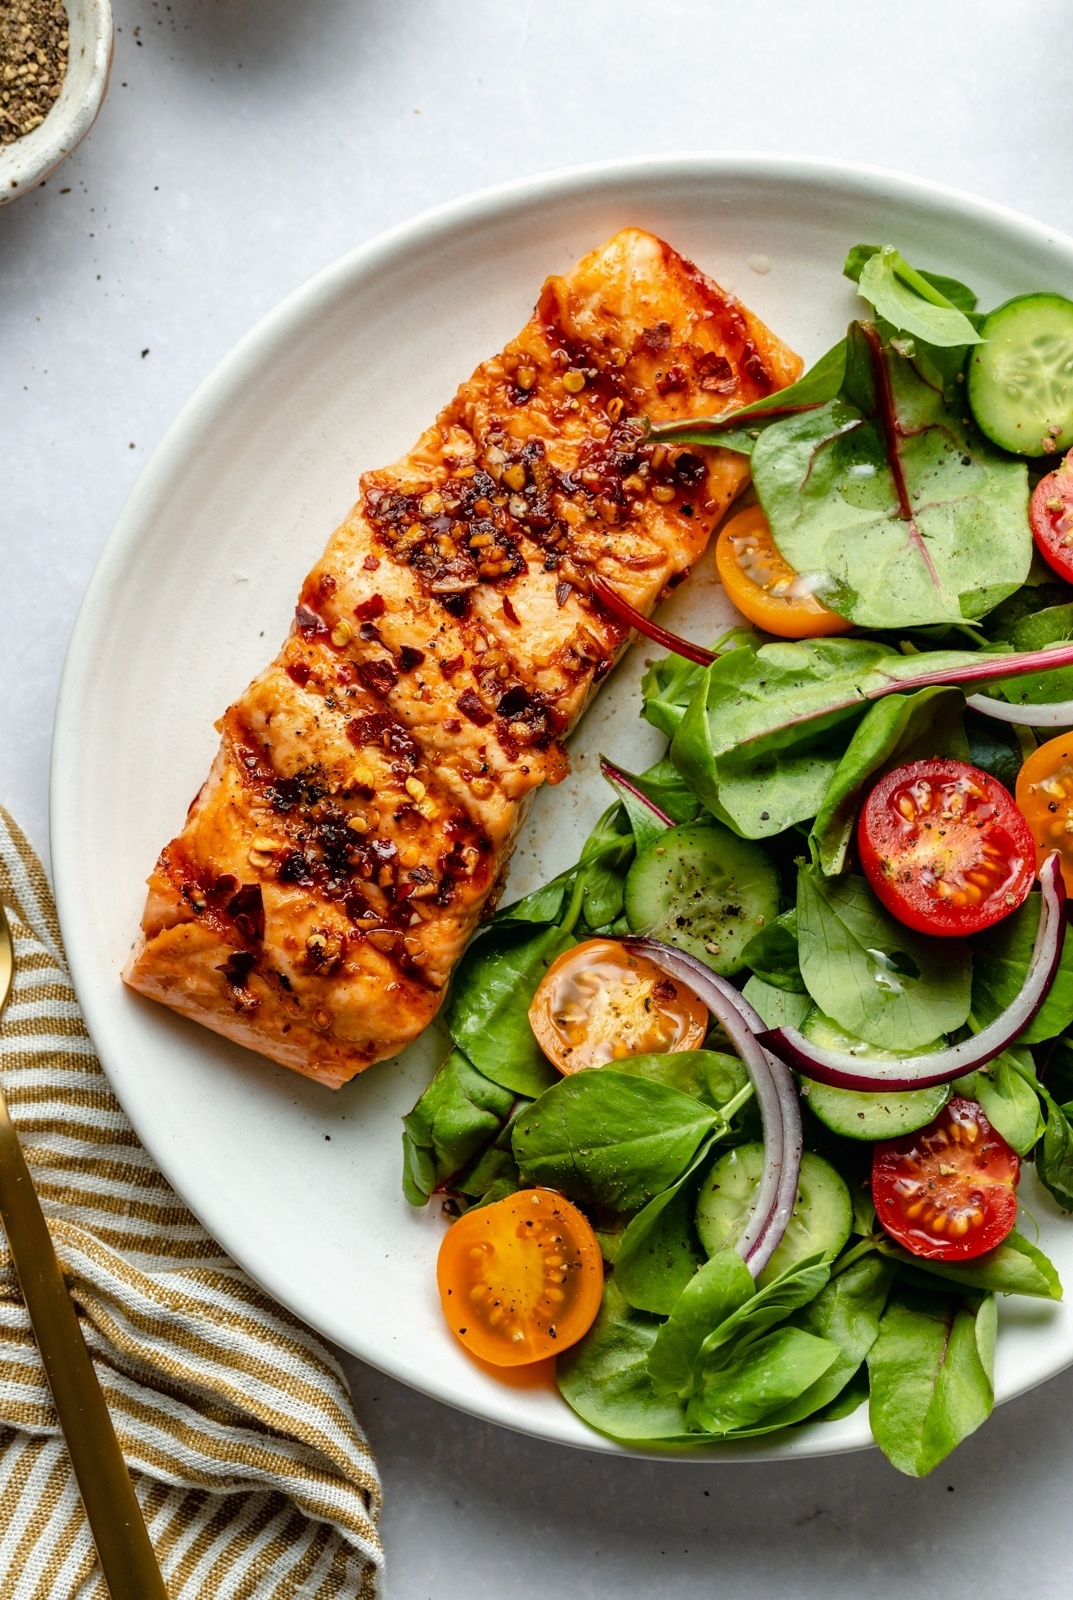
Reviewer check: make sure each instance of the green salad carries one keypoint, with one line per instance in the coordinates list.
(753, 1082)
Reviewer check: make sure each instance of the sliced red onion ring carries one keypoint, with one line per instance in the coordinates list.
(622, 611)
(1051, 714)
(625, 780)
(776, 1096)
(845, 1071)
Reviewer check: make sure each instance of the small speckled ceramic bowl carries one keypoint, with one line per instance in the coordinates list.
(30, 159)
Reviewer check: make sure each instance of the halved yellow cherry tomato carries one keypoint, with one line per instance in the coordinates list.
(520, 1279)
(599, 1002)
(1045, 797)
(764, 587)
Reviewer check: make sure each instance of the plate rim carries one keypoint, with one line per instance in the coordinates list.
(225, 378)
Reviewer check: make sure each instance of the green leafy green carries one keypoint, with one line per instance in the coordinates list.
(931, 1371)
(900, 728)
(755, 1379)
(1054, 1156)
(1001, 958)
(950, 550)
(787, 708)
(1014, 1267)
(646, 826)
(458, 1114)
(708, 1075)
(895, 989)
(604, 1377)
(719, 1288)
(488, 1014)
(846, 1312)
(607, 1138)
(1046, 625)
(956, 293)
(772, 954)
(773, 1303)
(779, 1008)
(1006, 1088)
(659, 1252)
(911, 302)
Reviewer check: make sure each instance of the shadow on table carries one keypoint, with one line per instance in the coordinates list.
(467, 1504)
(262, 35)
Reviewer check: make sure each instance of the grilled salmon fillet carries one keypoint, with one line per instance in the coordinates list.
(370, 784)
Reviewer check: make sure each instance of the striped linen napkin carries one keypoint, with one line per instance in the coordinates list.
(256, 1480)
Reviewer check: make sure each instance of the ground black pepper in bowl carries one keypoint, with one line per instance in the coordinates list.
(33, 63)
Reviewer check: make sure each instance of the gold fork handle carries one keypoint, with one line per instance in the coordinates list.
(115, 1517)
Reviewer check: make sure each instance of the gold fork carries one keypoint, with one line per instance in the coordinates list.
(115, 1517)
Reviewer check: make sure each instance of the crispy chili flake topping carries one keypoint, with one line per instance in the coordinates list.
(237, 968)
(369, 609)
(471, 708)
(247, 909)
(379, 677)
(298, 673)
(309, 625)
(409, 658)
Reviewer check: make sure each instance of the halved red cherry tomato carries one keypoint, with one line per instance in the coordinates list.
(520, 1279)
(764, 587)
(1045, 795)
(945, 848)
(1051, 516)
(599, 1002)
(948, 1191)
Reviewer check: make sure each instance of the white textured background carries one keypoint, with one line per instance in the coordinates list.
(245, 144)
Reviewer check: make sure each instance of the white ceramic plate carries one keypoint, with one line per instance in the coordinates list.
(195, 592)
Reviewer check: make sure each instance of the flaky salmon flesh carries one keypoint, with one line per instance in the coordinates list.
(370, 784)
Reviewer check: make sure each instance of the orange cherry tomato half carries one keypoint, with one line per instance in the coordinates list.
(599, 1002)
(945, 848)
(764, 587)
(520, 1279)
(1045, 795)
(948, 1191)
(1051, 516)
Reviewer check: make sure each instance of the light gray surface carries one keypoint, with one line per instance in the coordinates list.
(246, 143)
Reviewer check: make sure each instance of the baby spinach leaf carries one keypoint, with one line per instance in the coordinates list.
(852, 1398)
(896, 507)
(1044, 626)
(1001, 957)
(644, 823)
(1006, 1090)
(707, 1075)
(739, 430)
(660, 1250)
(996, 747)
(773, 1303)
(604, 1377)
(458, 1114)
(846, 1312)
(488, 1013)
(757, 1379)
(932, 1376)
(911, 302)
(896, 989)
(780, 1008)
(609, 1139)
(958, 294)
(1054, 1156)
(753, 711)
(665, 786)
(720, 1286)
(895, 730)
(1014, 1267)
(772, 954)
(666, 690)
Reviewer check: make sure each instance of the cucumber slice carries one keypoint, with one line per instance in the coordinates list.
(702, 888)
(1020, 382)
(856, 1114)
(821, 1220)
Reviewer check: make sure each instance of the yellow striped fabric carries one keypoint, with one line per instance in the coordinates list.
(255, 1477)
